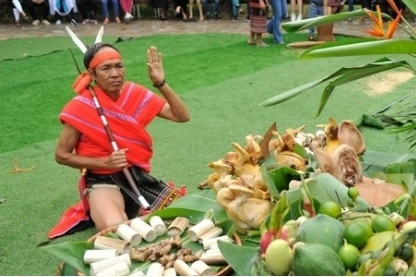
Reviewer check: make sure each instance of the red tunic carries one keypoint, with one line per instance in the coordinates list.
(127, 118)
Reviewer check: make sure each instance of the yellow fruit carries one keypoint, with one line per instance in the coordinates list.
(408, 225)
(278, 257)
(383, 223)
(378, 240)
(330, 208)
(356, 234)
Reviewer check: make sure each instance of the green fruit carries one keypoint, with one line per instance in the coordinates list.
(278, 257)
(383, 223)
(367, 226)
(317, 260)
(349, 255)
(356, 234)
(353, 193)
(330, 208)
(322, 229)
(406, 252)
(389, 271)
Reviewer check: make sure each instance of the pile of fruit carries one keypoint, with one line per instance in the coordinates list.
(316, 211)
(336, 242)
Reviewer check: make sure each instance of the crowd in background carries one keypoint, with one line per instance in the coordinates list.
(47, 12)
(265, 16)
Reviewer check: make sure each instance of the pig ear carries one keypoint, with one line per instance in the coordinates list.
(76, 40)
(99, 37)
(350, 135)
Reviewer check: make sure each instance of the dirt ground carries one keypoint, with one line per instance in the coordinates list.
(145, 27)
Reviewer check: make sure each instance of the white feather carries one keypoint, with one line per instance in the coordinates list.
(76, 40)
(99, 37)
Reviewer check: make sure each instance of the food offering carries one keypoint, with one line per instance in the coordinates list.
(319, 208)
(118, 250)
(306, 201)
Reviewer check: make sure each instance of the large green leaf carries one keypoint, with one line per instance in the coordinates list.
(326, 187)
(194, 207)
(71, 252)
(282, 176)
(366, 47)
(296, 26)
(240, 258)
(411, 4)
(271, 185)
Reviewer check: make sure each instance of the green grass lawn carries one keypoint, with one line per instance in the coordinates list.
(220, 78)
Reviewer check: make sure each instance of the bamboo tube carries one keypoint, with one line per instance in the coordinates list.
(144, 229)
(213, 233)
(169, 272)
(95, 255)
(178, 226)
(155, 269)
(127, 233)
(213, 242)
(213, 250)
(196, 231)
(212, 258)
(183, 269)
(102, 242)
(202, 268)
(119, 269)
(96, 267)
(158, 225)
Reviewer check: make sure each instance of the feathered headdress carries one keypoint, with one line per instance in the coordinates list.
(83, 79)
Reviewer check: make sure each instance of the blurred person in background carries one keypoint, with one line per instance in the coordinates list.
(127, 6)
(207, 8)
(279, 8)
(296, 6)
(258, 21)
(17, 11)
(106, 13)
(39, 11)
(88, 11)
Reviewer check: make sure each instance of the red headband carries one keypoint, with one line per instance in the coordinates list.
(84, 79)
(103, 56)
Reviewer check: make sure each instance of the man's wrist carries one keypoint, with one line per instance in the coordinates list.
(160, 84)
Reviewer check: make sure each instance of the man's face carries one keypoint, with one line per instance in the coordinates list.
(109, 75)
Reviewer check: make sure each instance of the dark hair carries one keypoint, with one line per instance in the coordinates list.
(91, 51)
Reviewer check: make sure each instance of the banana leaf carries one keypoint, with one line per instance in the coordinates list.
(355, 47)
(326, 187)
(341, 76)
(194, 206)
(71, 252)
(411, 4)
(296, 26)
(240, 258)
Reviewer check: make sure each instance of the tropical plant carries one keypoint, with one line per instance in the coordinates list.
(382, 43)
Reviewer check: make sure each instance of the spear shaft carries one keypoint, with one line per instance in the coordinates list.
(126, 172)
